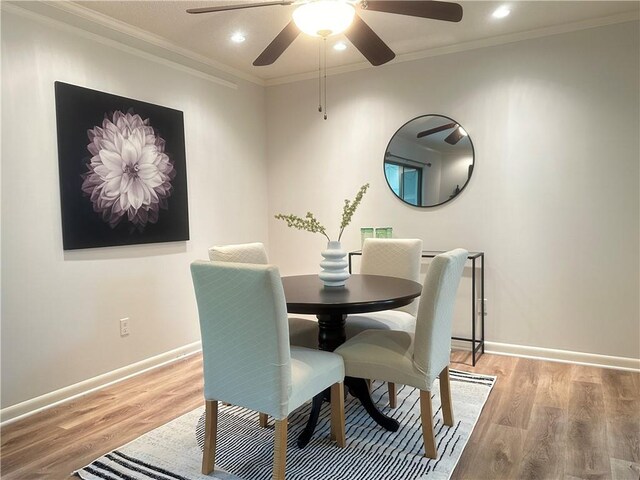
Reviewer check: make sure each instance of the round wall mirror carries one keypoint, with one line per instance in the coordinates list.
(429, 161)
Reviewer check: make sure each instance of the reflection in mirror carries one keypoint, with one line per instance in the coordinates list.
(429, 161)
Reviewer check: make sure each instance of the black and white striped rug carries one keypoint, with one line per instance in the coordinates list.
(245, 451)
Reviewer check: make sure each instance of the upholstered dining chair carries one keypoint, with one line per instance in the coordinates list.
(302, 332)
(416, 358)
(247, 358)
(239, 253)
(396, 257)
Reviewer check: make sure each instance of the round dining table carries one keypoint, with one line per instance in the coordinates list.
(306, 294)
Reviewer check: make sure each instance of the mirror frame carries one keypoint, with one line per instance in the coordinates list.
(473, 164)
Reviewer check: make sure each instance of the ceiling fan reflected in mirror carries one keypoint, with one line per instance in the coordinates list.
(454, 137)
(323, 18)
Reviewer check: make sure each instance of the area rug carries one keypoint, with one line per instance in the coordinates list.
(245, 451)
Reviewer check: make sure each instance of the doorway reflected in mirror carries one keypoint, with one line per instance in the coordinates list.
(429, 161)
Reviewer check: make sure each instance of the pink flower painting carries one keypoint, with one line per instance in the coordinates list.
(129, 173)
(122, 170)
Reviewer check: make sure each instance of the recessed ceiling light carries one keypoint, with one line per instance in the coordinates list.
(340, 46)
(501, 12)
(238, 37)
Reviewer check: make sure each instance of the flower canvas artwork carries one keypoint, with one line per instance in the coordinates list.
(122, 170)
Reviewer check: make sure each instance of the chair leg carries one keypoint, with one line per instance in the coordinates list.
(337, 414)
(445, 397)
(210, 434)
(264, 419)
(280, 450)
(426, 415)
(391, 387)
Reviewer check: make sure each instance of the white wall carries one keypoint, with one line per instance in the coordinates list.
(454, 173)
(60, 310)
(561, 238)
(547, 117)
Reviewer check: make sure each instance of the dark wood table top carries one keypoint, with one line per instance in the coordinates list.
(362, 293)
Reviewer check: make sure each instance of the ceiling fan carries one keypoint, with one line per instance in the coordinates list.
(454, 137)
(328, 17)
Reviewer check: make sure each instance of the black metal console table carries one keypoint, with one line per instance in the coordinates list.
(477, 344)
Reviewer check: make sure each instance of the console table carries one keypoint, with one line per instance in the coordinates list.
(477, 344)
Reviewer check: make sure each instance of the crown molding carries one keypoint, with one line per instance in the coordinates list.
(148, 37)
(89, 18)
(61, 25)
(472, 45)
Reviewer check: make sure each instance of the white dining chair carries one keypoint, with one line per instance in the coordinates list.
(239, 253)
(416, 358)
(302, 332)
(393, 257)
(247, 358)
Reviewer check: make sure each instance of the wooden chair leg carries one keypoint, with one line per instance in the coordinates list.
(210, 434)
(337, 414)
(391, 387)
(264, 419)
(426, 415)
(280, 450)
(445, 397)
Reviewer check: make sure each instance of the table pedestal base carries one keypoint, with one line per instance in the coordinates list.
(331, 335)
(331, 332)
(359, 389)
(307, 433)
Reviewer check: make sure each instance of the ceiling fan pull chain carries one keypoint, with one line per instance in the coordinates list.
(319, 78)
(324, 39)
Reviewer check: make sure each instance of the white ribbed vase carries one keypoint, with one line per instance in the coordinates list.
(334, 266)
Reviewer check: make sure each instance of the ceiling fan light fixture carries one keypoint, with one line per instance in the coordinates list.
(340, 46)
(322, 18)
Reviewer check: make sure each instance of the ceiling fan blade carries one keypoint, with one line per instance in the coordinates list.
(450, 12)
(278, 45)
(224, 8)
(369, 44)
(441, 128)
(454, 137)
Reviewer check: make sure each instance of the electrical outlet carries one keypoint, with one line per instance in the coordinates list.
(124, 327)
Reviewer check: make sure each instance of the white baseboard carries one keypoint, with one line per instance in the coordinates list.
(564, 356)
(29, 407)
(21, 410)
(460, 345)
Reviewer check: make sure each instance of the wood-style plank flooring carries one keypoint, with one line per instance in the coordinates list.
(543, 420)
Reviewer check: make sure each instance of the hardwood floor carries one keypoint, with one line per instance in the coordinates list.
(543, 420)
(548, 420)
(53, 443)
